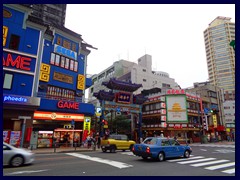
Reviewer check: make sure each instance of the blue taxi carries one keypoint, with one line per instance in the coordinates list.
(161, 148)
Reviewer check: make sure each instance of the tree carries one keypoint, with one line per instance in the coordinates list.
(121, 124)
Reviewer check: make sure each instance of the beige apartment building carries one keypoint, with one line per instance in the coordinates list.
(220, 55)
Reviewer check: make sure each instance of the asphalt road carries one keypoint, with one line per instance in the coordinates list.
(205, 161)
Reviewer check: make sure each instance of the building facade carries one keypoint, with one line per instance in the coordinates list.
(212, 102)
(49, 13)
(140, 73)
(44, 80)
(220, 55)
(175, 113)
(229, 112)
(21, 54)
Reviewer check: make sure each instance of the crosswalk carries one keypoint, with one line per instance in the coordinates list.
(214, 145)
(208, 163)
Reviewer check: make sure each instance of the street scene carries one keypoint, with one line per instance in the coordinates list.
(119, 92)
(207, 160)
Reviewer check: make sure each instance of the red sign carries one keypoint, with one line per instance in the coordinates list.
(175, 91)
(20, 62)
(68, 105)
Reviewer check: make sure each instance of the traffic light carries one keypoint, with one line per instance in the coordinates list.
(104, 122)
(214, 111)
(232, 43)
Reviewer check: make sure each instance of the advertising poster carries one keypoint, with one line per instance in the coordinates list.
(15, 138)
(86, 127)
(6, 136)
(176, 109)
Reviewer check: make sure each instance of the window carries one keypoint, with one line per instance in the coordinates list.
(144, 70)
(7, 83)
(14, 42)
(144, 80)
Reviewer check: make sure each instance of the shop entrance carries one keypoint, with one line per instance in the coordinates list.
(67, 137)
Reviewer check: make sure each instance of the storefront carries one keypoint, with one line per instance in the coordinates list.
(64, 129)
(17, 118)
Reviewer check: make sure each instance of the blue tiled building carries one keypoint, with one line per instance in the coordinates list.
(44, 69)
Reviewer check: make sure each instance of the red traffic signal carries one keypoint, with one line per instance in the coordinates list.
(104, 122)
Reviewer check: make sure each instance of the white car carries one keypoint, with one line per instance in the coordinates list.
(16, 156)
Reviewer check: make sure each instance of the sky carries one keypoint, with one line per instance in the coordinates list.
(171, 33)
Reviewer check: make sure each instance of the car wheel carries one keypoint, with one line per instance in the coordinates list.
(104, 150)
(186, 154)
(17, 161)
(113, 149)
(161, 156)
(145, 158)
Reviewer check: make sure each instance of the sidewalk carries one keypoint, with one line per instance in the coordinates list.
(84, 149)
(63, 150)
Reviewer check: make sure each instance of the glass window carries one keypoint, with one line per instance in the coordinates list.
(57, 60)
(14, 42)
(62, 61)
(52, 61)
(7, 83)
(67, 63)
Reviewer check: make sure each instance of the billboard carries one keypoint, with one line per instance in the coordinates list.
(176, 108)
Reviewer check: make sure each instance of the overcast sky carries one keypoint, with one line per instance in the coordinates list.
(171, 34)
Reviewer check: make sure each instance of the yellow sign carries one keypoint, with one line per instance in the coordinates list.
(81, 82)
(87, 124)
(214, 117)
(228, 129)
(44, 72)
(5, 32)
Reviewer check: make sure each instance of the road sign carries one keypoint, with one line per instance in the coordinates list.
(98, 111)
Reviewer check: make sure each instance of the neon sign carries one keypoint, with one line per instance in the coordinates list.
(68, 105)
(14, 99)
(19, 62)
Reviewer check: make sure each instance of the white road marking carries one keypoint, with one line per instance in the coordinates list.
(208, 163)
(117, 164)
(229, 171)
(176, 160)
(199, 160)
(203, 149)
(220, 166)
(128, 153)
(224, 151)
(26, 172)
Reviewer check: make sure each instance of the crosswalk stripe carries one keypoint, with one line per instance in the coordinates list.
(176, 160)
(208, 163)
(199, 160)
(229, 171)
(117, 164)
(220, 166)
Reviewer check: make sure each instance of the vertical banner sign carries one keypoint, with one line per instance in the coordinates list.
(214, 117)
(81, 82)
(86, 128)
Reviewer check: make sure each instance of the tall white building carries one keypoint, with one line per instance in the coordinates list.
(139, 73)
(220, 55)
